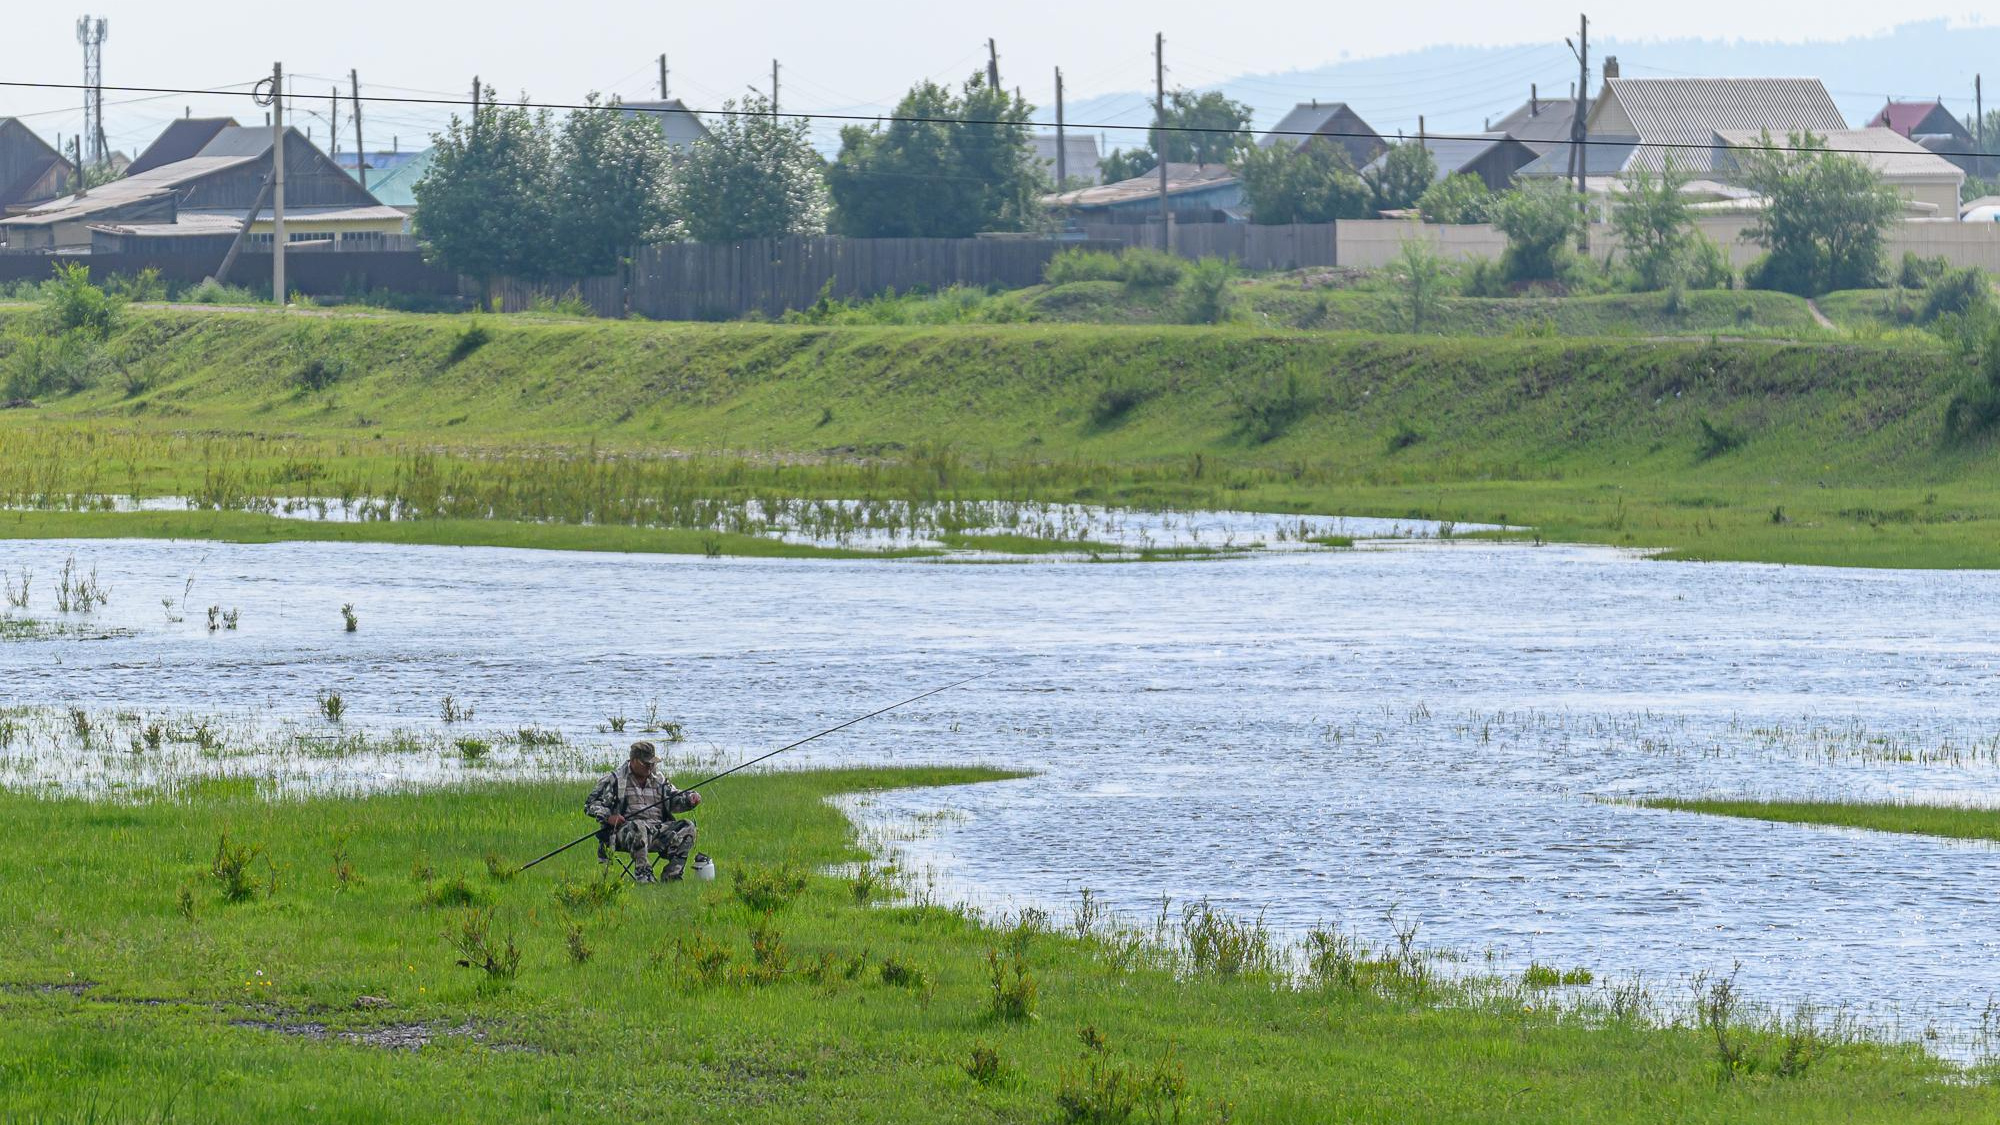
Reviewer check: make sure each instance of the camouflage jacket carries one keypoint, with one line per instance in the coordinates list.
(613, 795)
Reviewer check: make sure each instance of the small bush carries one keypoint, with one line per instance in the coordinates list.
(499, 870)
(1083, 265)
(70, 303)
(1916, 272)
(1266, 411)
(1012, 995)
(984, 1064)
(231, 869)
(590, 894)
(1115, 400)
(473, 750)
(902, 974)
(1205, 295)
(1482, 278)
(454, 891)
(575, 943)
(1143, 269)
(1956, 292)
(142, 286)
(702, 959)
(766, 890)
(499, 960)
(769, 960)
(1403, 436)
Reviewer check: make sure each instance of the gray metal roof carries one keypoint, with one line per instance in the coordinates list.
(1690, 111)
(1305, 118)
(154, 183)
(1452, 154)
(1539, 123)
(1181, 178)
(1886, 152)
(183, 137)
(1604, 156)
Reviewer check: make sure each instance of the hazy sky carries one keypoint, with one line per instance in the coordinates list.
(834, 56)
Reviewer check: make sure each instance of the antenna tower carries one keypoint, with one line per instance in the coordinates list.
(91, 33)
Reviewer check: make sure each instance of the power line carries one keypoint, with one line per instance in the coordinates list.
(865, 118)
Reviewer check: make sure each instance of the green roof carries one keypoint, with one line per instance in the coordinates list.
(397, 186)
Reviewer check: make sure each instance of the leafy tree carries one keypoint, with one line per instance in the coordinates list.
(1200, 129)
(754, 176)
(1539, 218)
(1311, 184)
(1126, 164)
(608, 190)
(1458, 198)
(1402, 177)
(1419, 274)
(1654, 225)
(1825, 219)
(483, 208)
(929, 175)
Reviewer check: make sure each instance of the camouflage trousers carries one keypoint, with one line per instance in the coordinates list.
(673, 839)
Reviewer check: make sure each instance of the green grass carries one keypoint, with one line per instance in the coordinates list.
(1837, 453)
(1950, 821)
(130, 990)
(251, 527)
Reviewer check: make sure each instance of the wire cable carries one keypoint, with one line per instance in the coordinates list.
(308, 97)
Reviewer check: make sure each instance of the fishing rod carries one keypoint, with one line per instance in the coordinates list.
(592, 834)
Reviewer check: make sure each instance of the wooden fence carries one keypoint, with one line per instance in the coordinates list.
(720, 281)
(605, 296)
(1253, 247)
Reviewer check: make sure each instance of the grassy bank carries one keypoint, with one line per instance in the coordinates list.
(134, 990)
(1810, 452)
(1917, 820)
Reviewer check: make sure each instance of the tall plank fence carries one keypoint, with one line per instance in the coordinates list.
(719, 281)
(1253, 247)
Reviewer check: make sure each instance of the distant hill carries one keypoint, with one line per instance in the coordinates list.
(1457, 88)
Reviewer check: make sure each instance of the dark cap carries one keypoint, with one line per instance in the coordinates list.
(644, 752)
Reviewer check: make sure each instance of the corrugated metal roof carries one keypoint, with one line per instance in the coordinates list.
(1181, 178)
(1454, 153)
(1539, 123)
(182, 138)
(397, 186)
(1886, 152)
(1690, 111)
(148, 185)
(676, 120)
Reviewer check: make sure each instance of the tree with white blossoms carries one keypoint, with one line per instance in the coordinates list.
(755, 175)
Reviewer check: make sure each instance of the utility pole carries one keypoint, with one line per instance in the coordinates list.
(1062, 147)
(82, 181)
(474, 128)
(663, 77)
(774, 87)
(1160, 138)
(360, 152)
(992, 64)
(1577, 130)
(278, 291)
(333, 122)
(1979, 122)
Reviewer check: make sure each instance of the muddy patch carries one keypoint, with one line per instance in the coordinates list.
(387, 1037)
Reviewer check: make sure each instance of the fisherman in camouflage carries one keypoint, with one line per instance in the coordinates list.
(638, 804)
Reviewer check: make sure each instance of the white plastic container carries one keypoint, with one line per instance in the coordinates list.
(704, 867)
